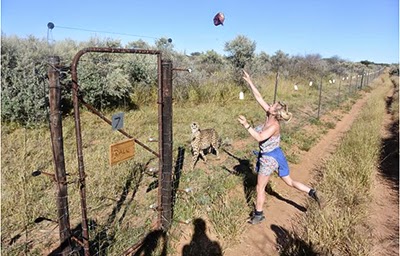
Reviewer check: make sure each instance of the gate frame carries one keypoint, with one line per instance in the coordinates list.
(165, 135)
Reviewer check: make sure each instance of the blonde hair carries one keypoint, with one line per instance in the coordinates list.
(283, 113)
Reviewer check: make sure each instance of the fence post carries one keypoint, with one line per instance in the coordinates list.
(58, 154)
(276, 84)
(340, 82)
(362, 80)
(356, 84)
(351, 76)
(165, 113)
(319, 100)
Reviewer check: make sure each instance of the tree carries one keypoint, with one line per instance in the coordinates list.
(211, 61)
(261, 63)
(139, 44)
(241, 51)
(104, 81)
(307, 67)
(264, 57)
(279, 61)
(366, 62)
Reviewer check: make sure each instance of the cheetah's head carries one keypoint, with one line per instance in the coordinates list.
(195, 127)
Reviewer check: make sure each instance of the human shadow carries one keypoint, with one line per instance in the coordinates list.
(290, 244)
(201, 245)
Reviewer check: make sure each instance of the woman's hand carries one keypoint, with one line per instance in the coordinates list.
(246, 77)
(255, 91)
(243, 121)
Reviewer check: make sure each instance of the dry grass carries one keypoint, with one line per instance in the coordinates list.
(119, 197)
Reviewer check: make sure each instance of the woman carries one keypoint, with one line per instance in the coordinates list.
(270, 157)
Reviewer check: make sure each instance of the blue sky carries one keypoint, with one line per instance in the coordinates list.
(354, 30)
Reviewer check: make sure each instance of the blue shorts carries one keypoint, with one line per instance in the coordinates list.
(274, 160)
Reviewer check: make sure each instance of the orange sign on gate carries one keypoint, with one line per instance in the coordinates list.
(122, 151)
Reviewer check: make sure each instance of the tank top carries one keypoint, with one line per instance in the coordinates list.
(269, 144)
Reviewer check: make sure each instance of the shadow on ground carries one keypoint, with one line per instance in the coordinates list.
(244, 169)
(290, 244)
(201, 244)
(389, 157)
(151, 243)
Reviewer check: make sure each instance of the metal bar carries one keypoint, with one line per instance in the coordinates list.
(166, 144)
(58, 154)
(160, 142)
(276, 84)
(81, 168)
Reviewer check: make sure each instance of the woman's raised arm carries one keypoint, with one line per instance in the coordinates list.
(255, 91)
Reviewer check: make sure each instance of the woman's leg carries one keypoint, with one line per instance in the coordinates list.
(258, 216)
(298, 185)
(262, 181)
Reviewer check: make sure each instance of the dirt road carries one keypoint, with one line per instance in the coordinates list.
(281, 211)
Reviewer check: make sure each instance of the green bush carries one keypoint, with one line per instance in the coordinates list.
(23, 83)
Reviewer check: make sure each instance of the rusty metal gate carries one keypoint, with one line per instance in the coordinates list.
(164, 155)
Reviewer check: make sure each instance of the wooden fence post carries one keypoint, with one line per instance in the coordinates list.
(58, 154)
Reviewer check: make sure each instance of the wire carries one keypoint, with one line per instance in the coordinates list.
(105, 32)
